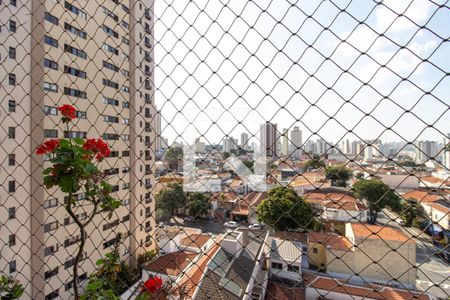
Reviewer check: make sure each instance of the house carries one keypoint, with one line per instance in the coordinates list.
(308, 181)
(337, 208)
(393, 250)
(285, 259)
(439, 212)
(324, 287)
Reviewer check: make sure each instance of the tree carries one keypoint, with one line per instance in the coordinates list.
(169, 200)
(314, 163)
(249, 164)
(226, 155)
(378, 196)
(413, 212)
(283, 209)
(174, 156)
(197, 204)
(339, 175)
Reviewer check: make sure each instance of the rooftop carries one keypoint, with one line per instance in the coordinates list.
(362, 230)
(282, 291)
(333, 241)
(171, 264)
(285, 250)
(195, 240)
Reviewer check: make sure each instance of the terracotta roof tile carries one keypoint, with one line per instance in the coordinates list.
(334, 241)
(195, 240)
(171, 264)
(386, 233)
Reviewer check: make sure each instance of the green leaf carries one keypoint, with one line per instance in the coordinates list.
(48, 171)
(69, 184)
(49, 181)
(79, 141)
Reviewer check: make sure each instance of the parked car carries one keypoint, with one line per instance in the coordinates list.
(189, 219)
(255, 226)
(231, 224)
(400, 221)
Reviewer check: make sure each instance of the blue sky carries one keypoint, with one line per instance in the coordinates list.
(224, 67)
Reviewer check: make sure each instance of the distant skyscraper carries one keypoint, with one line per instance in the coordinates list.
(321, 146)
(346, 149)
(426, 150)
(229, 144)
(268, 139)
(296, 140)
(244, 141)
(199, 146)
(285, 142)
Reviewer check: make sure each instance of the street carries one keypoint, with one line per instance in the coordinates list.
(433, 273)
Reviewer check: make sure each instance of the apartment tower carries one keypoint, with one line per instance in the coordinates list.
(97, 56)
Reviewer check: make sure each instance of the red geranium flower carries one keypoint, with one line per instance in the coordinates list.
(152, 284)
(47, 147)
(98, 147)
(68, 112)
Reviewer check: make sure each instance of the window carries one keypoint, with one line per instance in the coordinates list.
(50, 250)
(126, 218)
(78, 32)
(110, 66)
(51, 87)
(109, 48)
(124, 25)
(13, 3)
(125, 137)
(111, 119)
(50, 64)
(125, 153)
(12, 266)
(49, 203)
(12, 79)
(75, 10)
(125, 56)
(11, 186)
(110, 14)
(12, 106)
(11, 213)
(125, 186)
(111, 242)
(51, 133)
(52, 19)
(315, 250)
(12, 132)
(52, 295)
(71, 241)
(126, 104)
(111, 136)
(50, 110)
(74, 72)
(109, 31)
(110, 83)
(50, 41)
(126, 120)
(80, 114)
(125, 73)
(125, 40)
(50, 273)
(12, 26)
(111, 101)
(75, 51)
(277, 266)
(126, 89)
(11, 159)
(12, 240)
(75, 93)
(51, 226)
(125, 8)
(74, 134)
(292, 268)
(12, 53)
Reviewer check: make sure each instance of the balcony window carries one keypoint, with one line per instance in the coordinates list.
(51, 18)
(50, 41)
(12, 53)
(50, 64)
(11, 106)
(12, 26)
(75, 10)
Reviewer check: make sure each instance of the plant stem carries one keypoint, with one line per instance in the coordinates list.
(81, 226)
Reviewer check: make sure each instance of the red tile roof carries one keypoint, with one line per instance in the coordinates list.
(334, 241)
(363, 230)
(367, 292)
(171, 264)
(195, 240)
(279, 291)
(422, 196)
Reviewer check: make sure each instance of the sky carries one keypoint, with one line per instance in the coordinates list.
(337, 69)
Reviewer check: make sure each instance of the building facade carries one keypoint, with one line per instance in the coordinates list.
(99, 58)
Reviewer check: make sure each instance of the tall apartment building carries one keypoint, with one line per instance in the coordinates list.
(285, 142)
(426, 150)
(296, 142)
(244, 141)
(158, 134)
(269, 139)
(96, 55)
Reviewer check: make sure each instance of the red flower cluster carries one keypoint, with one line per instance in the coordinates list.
(99, 147)
(68, 112)
(47, 147)
(152, 284)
